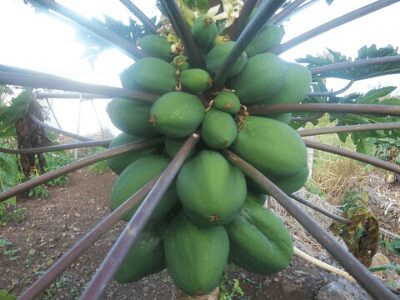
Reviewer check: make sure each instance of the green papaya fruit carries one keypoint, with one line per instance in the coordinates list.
(131, 116)
(177, 114)
(195, 80)
(295, 87)
(149, 74)
(137, 175)
(284, 118)
(211, 190)
(196, 256)
(289, 184)
(259, 241)
(262, 77)
(181, 62)
(145, 257)
(217, 55)
(256, 197)
(155, 46)
(228, 102)
(204, 31)
(172, 146)
(293, 183)
(219, 129)
(120, 162)
(269, 37)
(272, 147)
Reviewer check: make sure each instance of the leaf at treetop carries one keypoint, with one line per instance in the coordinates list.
(372, 96)
(10, 114)
(355, 73)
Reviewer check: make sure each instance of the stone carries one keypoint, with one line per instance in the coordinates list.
(342, 289)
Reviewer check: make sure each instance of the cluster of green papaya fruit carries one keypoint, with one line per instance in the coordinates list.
(212, 213)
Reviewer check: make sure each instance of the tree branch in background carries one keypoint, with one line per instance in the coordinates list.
(325, 107)
(354, 155)
(358, 13)
(140, 15)
(79, 164)
(121, 43)
(95, 143)
(60, 83)
(349, 128)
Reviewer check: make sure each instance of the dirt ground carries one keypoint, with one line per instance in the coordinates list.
(52, 225)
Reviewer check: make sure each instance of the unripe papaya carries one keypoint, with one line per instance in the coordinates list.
(181, 62)
(195, 80)
(217, 55)
(256, 197)
(149, 74)
(120, 162)
(196, 256)
(131, 116)
(137, 175)
(293, 183)
(272, 147)
(218, 130)
(284, 117)
(227, 102)
(295, 87)
(204, 31)
(172, 146)
(155, 46)
(145, 257)
(262, 77)
(177, 114)
(268, 37)
(259, 241)
(211, 190)
(289, 184)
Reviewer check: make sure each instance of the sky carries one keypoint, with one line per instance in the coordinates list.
(46, 43)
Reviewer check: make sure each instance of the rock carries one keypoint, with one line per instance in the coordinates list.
(342, 289)
(379, 260)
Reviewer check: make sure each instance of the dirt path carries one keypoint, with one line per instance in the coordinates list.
(51, 226)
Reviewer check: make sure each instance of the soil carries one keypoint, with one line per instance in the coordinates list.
(52, 225)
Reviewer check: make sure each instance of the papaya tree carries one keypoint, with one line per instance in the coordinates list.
(209, 112)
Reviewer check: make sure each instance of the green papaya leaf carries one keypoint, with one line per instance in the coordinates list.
(356, 73)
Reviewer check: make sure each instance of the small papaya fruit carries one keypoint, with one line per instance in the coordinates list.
(204, 31)
(262, 77)
(155, 46)
(136, 175)
(219, 129)
(181, 62)
(228, 102)
(120, 162)
(145, 257)
(269, 37)
(177, 114)
(259, 241)
(131, 116)
(217, 55)
(195, 256)
(149, 74)
(211, 190)
(195, 80)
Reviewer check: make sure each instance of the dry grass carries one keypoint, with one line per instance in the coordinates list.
(332, 174)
